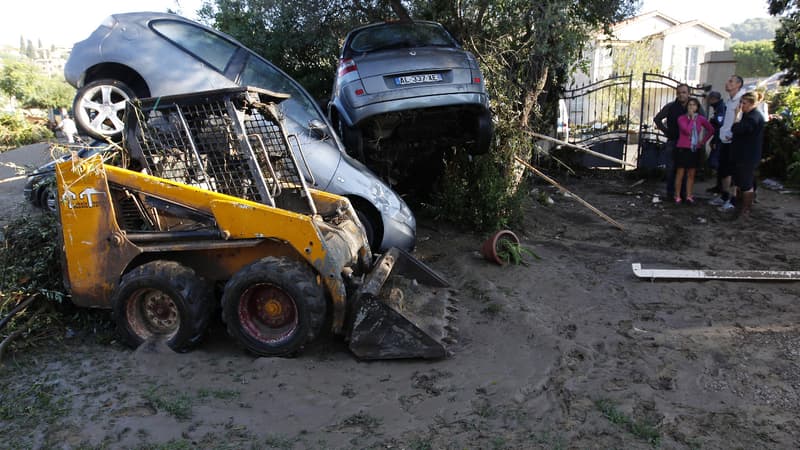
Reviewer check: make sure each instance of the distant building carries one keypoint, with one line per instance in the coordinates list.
(52, 61)
(676, 49)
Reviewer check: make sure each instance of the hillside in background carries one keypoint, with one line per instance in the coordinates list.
(756, 29)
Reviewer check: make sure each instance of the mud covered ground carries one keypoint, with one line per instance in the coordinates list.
(570, 351)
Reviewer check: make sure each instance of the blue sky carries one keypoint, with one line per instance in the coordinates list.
(65, 22)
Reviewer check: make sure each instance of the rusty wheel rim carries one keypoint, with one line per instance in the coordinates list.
(152, 312)
(268, 313)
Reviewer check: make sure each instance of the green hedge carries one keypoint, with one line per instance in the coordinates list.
(16, 131)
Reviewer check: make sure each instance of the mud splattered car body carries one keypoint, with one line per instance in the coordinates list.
(405, 92)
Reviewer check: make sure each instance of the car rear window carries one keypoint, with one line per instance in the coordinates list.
(400, 35)
(209, 47)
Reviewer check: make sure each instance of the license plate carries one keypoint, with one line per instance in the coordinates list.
(414, 79)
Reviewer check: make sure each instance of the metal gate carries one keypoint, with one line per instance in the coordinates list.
(656, 91)
(599, 118)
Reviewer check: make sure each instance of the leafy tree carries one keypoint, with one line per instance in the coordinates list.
(18, 79)
(787, 37)
(301, 37)
(30, 52)
(754, 58)
(32, 88)
(526, 50)
(16, 131)
(755, 29)
(21, 45)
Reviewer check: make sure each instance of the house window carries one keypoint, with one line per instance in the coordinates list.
(691, 63)
(605, 63)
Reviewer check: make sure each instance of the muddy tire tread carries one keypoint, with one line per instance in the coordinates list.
(293, 276)
(194, 301)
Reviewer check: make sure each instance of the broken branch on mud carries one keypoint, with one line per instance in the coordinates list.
(565, 190)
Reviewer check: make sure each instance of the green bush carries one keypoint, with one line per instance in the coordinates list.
(30, 266)
(16, 131)
(781, 146)
(781, 156)
(478, 193)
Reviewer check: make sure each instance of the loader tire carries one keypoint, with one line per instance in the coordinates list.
(162, 299)
(274, 306)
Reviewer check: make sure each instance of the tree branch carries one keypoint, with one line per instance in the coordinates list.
(22, 305)
(18, 332)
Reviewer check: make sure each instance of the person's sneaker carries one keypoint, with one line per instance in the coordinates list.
(677, 200)
(690, 200)
(727, 207)
(716, 201)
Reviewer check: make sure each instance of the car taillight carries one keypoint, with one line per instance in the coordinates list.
(347, 66)
(476, 80)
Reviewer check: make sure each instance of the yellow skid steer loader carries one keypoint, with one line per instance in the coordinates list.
(211, 210)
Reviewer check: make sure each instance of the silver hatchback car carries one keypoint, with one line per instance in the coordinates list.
(406, 88)
(157, 54)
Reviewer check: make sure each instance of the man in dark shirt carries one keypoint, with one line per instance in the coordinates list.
(667, 121)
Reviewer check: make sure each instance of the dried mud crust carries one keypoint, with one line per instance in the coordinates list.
(571, 351)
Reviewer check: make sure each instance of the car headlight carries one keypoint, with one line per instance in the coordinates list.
(404, 215)
(388, 202)
(379, 198)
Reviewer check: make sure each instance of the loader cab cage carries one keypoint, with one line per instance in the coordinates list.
(230, 141)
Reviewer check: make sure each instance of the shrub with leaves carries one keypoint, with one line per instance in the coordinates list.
(478, 193)
(781, 156)
(30, 280)
(16, 131)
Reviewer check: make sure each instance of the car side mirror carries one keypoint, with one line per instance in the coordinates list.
(319, 128)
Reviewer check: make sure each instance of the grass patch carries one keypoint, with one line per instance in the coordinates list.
(367, 423)
(38, 403)
(24, 409)
(472, 288)
(483, 408)
(492, 309)
(639, 428)
(278, 441)
(173, 403)
(419, 443)
(174, 444)
(221, 394)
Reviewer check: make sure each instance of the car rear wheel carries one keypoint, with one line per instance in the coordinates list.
(274, 306)
(100, 106)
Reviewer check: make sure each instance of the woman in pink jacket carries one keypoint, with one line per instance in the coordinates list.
(690, 147)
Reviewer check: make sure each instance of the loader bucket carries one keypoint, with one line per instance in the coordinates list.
(401, 311)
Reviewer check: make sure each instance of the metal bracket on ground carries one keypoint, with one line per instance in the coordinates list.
(775, 275)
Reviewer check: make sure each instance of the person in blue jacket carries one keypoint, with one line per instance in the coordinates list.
(748, 136)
